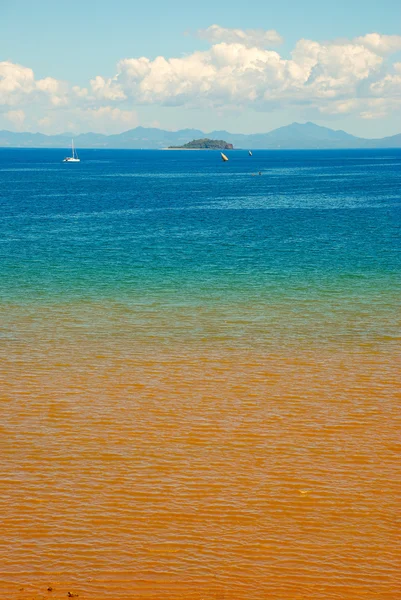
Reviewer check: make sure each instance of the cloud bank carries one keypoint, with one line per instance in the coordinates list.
(239, 70)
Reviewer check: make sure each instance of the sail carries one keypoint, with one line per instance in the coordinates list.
(250, 153)
(224, 157)
(74, 152)
(74, 155)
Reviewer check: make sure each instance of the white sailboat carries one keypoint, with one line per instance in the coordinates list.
(74, 157)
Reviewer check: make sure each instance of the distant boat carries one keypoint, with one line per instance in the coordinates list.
(223, 157)
(250, 153)
(74, 157)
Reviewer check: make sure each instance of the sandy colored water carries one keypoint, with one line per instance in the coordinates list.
(198, 470)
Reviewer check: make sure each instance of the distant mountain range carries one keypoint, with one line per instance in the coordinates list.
(296, 136)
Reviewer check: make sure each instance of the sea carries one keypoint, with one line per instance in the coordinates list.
(200, 375)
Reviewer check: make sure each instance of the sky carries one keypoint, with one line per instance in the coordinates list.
(244, 66)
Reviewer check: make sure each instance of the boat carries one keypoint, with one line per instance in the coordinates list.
(223, 157)
(250, 153)
(74, 157)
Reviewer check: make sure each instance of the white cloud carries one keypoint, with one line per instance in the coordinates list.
(49, 85)
(16, 117)
(18, 86)
(247, 37)
(107, 88)
(16, 82)
(382, 44)
(336, 70)
(234, 73)
(237, 72)
(80, 92)
(389, 85)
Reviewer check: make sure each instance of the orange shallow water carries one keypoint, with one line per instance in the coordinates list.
(199, 470)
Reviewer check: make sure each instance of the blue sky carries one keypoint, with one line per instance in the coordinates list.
(52, 52)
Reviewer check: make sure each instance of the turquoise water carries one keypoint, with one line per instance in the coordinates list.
(309, 248)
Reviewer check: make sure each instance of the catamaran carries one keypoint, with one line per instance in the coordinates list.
(74, 157)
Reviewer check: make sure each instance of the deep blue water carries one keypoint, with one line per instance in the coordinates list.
(185, 224)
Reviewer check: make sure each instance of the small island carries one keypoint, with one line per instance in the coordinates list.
(204, 144)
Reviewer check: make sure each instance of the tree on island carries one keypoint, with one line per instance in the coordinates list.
(205, 144)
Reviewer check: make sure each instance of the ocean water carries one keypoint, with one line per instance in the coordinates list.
(199, 372)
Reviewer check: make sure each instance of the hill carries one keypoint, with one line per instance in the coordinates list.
(204, 144)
